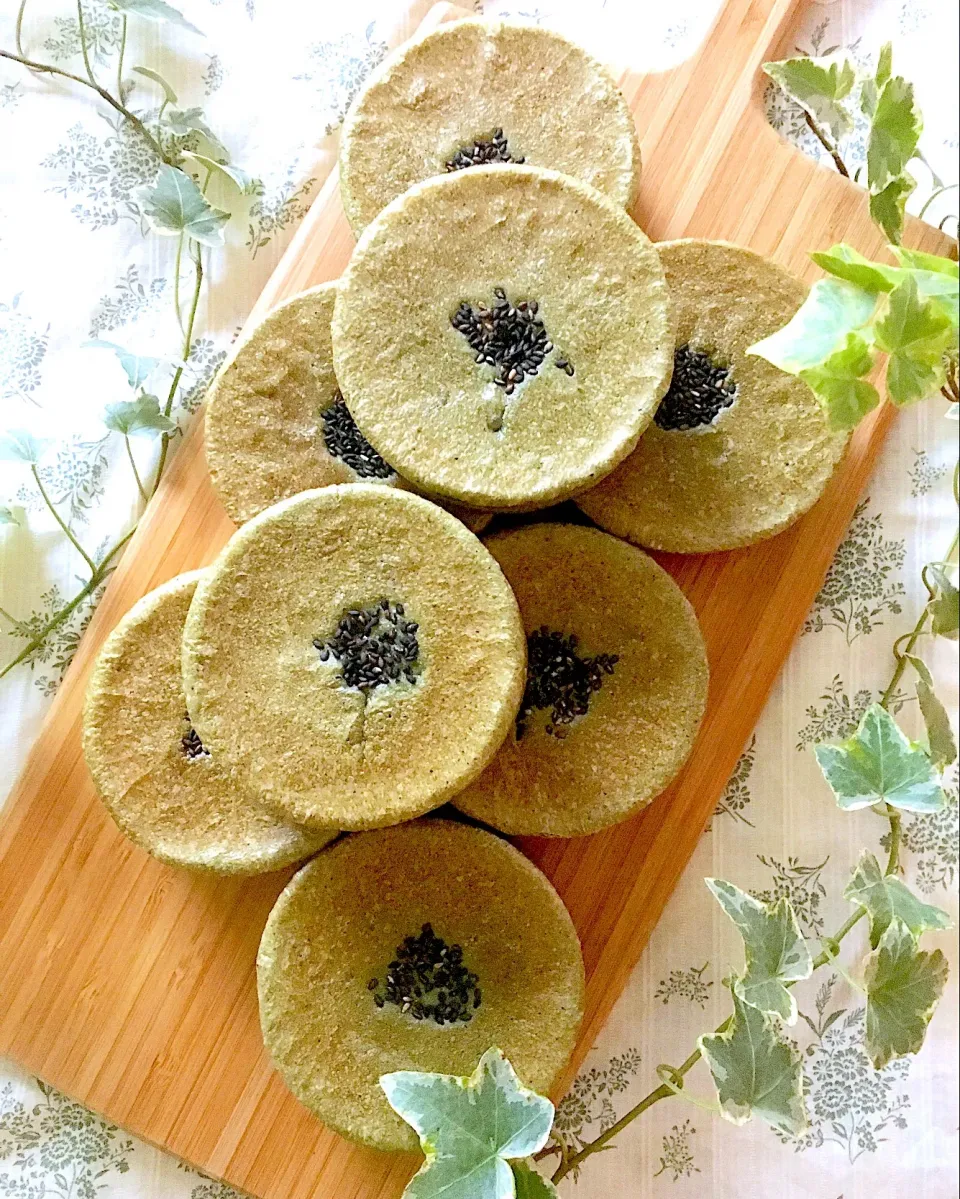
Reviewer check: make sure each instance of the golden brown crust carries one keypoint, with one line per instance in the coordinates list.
(185, 811)
(338, 924)
(557, 106)
(640, 725)
(765, 460)
(411, 380)
(259, 693)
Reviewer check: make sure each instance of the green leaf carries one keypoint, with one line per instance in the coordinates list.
(921, 261)
(831, 311)
(915, 333)
(887, 207)
(245, 183)
(182, 121)
(903, 986)
(944, 607)
(8, 516)
(173, 204)
(870, 88)
(884, 64)
(529, 1184)
(940, 740)
(755, 1072)
(157, 78)
(469, 1128)
(886, 898)
(894, 134)
(138, 367)
(878, 764)
(17, 445)
(153, 10)
(847, 263)
(837, 384)
(774, 949)
(141, 417)
(817, 85)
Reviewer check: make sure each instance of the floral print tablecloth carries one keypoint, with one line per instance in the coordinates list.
(271, 77)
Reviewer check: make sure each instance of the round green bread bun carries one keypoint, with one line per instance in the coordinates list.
(415, 948)
(738, 450)
(616, 685)
(160, 783)
(276, 423)
(356, 653)
(503, 336)
(485, 91)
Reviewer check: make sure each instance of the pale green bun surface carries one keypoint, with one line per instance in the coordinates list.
(440, 93)
(338, 925)
(640, 725)
(187, 810)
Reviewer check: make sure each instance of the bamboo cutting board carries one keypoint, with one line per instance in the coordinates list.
(130, 986)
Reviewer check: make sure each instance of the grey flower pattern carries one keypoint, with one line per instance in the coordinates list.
(23, 347)
(275, 210)
(864, 582)
(849, 1103)
(800, 884)
(213, 75)
(736, 795)
(74, 478)
(589, 1105)
(840, 713)
(924, 474)
(102, 26)
(10, 95)
(130, 298)
(676, 1156)
(206, 356)
(337, 70)
(686, 984)
(934, 841)
(56, 652)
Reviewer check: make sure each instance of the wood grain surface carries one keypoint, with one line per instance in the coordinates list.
(129, 985)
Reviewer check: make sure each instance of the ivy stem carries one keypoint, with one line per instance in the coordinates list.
(46, 69)
(133, 466)
(176, 281)
(59, 519)
(944, 187)
(123, 48)
(6, 616)
(18, 28)
(827, 144)
(82, 29)
(175, 382)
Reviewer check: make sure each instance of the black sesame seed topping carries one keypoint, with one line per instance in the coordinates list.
(698, 391)
(427, 980)
(190, 744)
(483, 151)
(345, 441)
(508, 336)
(374, 646)
(559, 679)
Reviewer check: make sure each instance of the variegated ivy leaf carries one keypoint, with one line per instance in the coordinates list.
(817, 85)
(879, 764)
(915, 333)
(153, 10)
(174, 205)
(150, 73)
(870, 88)
(17, 445)
(774, 949)
(941, 745)
(529, 1184)
(756, 1073)
(895, 130)
(182, 121)
(904, 985)
(245, 184)
(944, 607)
(8, 516)
(839, 386)
(141, 417)
(888, 207)
(849, 264)
(886, 898)
(833, 310)
(469, 1128)
(138, 367)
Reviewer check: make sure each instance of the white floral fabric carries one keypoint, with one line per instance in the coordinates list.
(274, 79)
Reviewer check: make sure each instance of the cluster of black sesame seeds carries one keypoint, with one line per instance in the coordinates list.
(428, 980)
(559, 679)
(698, 391)
(483, 151)
(190, 744)
(507, 336)
(374, 646)
(345, 441)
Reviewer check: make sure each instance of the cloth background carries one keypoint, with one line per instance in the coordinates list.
(274, 79)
